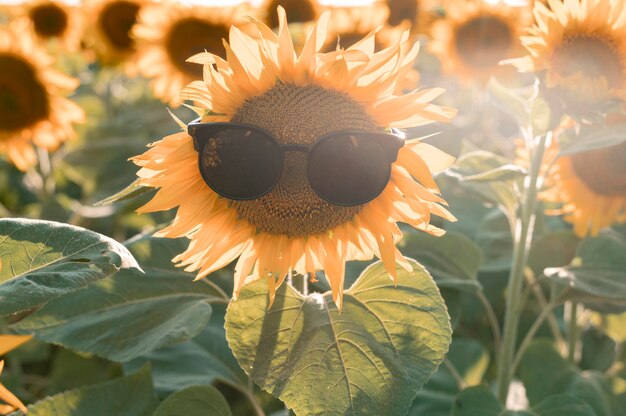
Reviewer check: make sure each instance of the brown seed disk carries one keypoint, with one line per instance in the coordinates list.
(49, 20)
(483, 41)
(299, 114)
(190, 36)
(23, 99)
(297, 11)
(603, 170)
(400, 10)
(592, 56)
(116, 21)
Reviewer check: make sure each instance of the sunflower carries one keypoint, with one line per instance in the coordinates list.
(298, 11)
(52, 20)
(263, 82)
(581, 47)
(349, 25)
(11, 403)
(419, 13)
(109, 31)
(32, 110)
(169, 33)
(589, 186)
(475, 36)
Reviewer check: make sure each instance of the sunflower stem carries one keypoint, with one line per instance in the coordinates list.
(573, 331)
(522, 239)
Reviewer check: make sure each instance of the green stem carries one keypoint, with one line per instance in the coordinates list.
(492, 318)
(522, 240)
(455, 374)
(545, 312)
(572, 332)
(543, 302)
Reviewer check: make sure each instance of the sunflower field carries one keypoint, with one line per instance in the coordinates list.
(313, 207)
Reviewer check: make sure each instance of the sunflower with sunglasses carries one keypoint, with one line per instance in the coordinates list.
(293, 166)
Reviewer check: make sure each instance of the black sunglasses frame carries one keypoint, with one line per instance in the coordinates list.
(201, 133)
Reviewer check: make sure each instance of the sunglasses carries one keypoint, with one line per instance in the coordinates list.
(242, 162)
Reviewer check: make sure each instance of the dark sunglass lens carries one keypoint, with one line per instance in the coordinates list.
(240, 164)
(347, 169)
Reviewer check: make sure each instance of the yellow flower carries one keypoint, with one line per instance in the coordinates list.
(12, 403)
(32, 109)
(581, 46)
(52, 20)
(348, 25)
(590, 187)
(169, 33)
(298, 11)
(264, 83)
(419, 13)
(475, 36)
(108, 33)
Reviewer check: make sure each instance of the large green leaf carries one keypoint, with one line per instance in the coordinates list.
(503, 191)
(477, 401)
(470, 359)
(452, 259)
(201, 360)
(195, 401)
(591, 138)
(480, 401)
(369, 359)
(127, 396)
(597, 276)
(131, 314)
(41, 260)
(545, 373)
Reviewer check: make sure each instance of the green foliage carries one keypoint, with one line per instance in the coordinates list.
(480, 401)
(131, 314)
(370, 358)
(127, 396)
(204, 359)
(195, 400)
(42, 260)
(546, 374)
(597, 275)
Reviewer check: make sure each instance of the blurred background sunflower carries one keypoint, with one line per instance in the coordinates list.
(168, 34)
(55, 22)
(33, 109)
(109, 28)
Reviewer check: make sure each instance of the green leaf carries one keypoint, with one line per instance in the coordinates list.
(195, 400)
(452, 259)
(101, 167)
(501, 173)
(510, 101)
(555, 249)
(131, 314)
(541, 366)
(563, 405)
(495, 240)
(127, 396)
(545, 373)
(480, 401)
(202, 360)
(476, 401)
(504, 193)
(598, 352)
(470, 360)
(42, 260)
(129, 192)
(597, 276)
(369, 359)
(591, 138)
